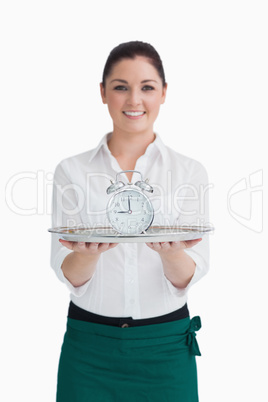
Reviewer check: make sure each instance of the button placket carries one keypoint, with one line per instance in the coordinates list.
(130, 279)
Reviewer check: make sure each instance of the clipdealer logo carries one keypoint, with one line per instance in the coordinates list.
(38, 188)
(245, 201)
(244, 198)
(30, 193)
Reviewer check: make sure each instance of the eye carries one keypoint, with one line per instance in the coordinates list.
(120, 88)
(147, 88)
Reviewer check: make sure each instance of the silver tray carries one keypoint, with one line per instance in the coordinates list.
(109, 235)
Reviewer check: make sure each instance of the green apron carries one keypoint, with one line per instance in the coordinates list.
(153, 363)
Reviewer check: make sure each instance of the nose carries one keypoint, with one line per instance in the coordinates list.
(134, 98)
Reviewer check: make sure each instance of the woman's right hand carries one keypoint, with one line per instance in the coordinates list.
(79, 266)
(87, 248)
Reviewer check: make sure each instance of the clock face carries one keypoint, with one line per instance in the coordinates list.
(130, 211)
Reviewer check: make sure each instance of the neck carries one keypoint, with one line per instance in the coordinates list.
(128, 144)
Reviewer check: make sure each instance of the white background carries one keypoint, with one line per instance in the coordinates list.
(215, 57)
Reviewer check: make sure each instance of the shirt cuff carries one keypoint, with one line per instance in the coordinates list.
(200, 271)
(201, 268)
(76, 291)
(173, 289)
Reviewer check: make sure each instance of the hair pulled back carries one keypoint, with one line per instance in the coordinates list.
(130, 50)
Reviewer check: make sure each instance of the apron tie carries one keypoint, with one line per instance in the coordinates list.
(195, 325)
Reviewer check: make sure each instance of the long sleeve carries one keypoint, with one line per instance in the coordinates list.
(66, 205)
(192, 199)
(195, 211)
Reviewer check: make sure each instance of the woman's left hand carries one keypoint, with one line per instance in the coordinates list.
(178, 267)
(173, 246)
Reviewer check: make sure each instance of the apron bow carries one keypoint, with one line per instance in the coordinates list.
(195, 325)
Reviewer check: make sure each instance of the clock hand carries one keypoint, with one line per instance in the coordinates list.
(128, 203)
(125, 212)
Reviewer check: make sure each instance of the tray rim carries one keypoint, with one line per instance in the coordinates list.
(181, 233)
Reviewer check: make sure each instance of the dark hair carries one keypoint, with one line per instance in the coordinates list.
(130, 50)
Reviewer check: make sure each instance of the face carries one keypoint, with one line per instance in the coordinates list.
(133, 93)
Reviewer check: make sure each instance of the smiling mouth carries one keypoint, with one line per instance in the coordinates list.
(134, 114)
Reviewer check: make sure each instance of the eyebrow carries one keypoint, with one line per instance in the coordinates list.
(125, 82)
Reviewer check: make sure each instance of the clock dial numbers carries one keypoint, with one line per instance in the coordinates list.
(130, 212)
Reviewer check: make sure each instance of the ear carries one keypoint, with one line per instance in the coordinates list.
(102, 91)
(164, 94)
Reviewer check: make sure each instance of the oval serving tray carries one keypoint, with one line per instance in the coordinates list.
(109, 235)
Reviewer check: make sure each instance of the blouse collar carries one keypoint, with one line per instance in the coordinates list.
(103, 144)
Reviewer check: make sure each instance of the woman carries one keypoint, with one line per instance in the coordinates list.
(129, 335)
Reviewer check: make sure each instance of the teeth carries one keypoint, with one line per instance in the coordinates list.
(134, 113)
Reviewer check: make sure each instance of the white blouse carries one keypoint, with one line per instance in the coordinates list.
(129, 280)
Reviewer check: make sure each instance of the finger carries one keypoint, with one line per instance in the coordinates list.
(149, 245)
(79, 246)
(103, 247)
(191, 243)
(157, 246)
(165, 245)
(93, 246)
(175, 245)
(113, 245)
(67, 244)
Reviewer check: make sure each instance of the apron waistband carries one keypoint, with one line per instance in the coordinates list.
(181, 333)
(78, 313)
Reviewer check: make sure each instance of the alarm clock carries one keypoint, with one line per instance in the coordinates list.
(129, 210)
